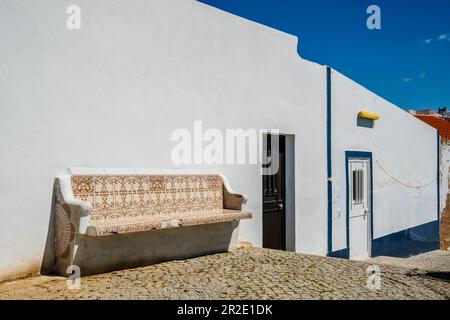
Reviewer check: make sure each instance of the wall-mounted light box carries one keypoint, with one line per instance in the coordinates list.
(368, 115)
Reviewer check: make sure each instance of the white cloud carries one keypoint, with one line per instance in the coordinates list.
(407, 79)
(422, 75)
(441, 37)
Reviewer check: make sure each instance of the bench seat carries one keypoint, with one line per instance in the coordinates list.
(145, 223)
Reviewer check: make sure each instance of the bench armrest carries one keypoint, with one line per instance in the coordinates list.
(232, 200)
(82, 209)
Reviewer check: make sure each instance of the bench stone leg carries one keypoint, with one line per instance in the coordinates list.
(122, 251)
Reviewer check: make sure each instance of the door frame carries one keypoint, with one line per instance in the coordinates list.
(359, 155)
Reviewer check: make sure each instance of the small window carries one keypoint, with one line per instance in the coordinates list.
(358, 186)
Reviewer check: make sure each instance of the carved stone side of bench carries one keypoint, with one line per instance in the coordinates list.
(71, 218)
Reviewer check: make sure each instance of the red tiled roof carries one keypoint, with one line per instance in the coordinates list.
(443, 126)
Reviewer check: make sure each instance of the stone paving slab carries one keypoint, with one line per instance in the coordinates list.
(246, 273)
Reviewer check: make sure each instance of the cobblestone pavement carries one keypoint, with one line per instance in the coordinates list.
(248, 273)
(436, 261)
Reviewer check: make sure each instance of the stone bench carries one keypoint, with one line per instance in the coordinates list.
(105, 222)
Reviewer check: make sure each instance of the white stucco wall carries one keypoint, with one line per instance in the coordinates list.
(405, 147)
(110, 95)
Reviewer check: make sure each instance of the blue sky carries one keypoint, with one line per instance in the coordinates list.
(406, 62)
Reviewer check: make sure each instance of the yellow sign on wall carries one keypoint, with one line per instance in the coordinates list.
(368, 115)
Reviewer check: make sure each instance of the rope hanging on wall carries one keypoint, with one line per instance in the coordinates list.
(402, 183)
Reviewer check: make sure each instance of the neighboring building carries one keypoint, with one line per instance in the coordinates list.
(445, 223)
(111, 94)
(442, 113)
(425, 112)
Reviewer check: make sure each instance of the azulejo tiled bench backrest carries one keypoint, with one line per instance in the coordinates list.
(102, 205)
(129, 197)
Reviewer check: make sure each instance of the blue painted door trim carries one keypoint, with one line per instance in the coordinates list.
(362, 155)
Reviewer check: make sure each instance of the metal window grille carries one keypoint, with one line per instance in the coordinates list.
(358, 186)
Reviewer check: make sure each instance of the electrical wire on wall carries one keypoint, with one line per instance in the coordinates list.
(402, 183)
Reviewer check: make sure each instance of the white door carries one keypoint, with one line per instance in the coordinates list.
(359, 208)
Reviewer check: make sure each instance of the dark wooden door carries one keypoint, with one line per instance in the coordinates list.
(274, 200)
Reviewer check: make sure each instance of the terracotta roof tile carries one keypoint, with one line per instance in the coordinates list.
(443, 126)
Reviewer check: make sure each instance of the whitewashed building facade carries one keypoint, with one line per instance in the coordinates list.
(110, 94)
